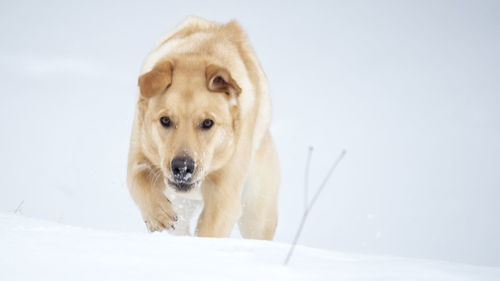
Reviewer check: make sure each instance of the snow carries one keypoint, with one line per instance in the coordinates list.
(34, 249)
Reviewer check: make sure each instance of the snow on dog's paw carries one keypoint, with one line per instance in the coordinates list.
(159, 215)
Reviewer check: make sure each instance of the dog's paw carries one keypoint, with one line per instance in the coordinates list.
(158, 215)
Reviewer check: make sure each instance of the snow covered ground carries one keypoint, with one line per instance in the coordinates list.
(34, 249)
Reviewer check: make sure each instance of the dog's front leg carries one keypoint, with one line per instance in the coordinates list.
(222, 208)
(146, 187)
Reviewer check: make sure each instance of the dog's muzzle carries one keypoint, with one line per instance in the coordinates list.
(182, 168)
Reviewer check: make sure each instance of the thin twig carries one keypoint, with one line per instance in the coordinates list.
(302, 222)
(322, 186)
(18, 209)
(308, 208)
(306, 177)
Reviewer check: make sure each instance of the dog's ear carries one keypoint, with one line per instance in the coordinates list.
(220, 80)
(157, 80)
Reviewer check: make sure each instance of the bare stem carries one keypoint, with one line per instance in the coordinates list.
(323, 184)
(302, 222)
(18, 209)
(309, 207)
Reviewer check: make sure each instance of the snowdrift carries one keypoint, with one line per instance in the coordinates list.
(32, 249)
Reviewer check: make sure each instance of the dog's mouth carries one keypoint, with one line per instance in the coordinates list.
(183, 186)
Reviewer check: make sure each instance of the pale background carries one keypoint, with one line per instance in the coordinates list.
(410, 88)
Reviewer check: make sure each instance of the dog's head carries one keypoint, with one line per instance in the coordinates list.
(188, 119)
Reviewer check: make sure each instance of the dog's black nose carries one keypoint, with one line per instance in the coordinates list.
(182, 168)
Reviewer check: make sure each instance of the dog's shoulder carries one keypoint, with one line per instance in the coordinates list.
(189, 26)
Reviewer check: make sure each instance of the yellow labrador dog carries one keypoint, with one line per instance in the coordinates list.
(201, 135)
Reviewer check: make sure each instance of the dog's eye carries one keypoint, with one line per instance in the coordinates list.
(165, 121)
(207, 124)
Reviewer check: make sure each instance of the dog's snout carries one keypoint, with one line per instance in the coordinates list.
(183, 168)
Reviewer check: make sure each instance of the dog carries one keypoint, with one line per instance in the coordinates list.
(200, 136)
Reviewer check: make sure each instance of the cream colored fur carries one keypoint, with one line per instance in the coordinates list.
(237, 164)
